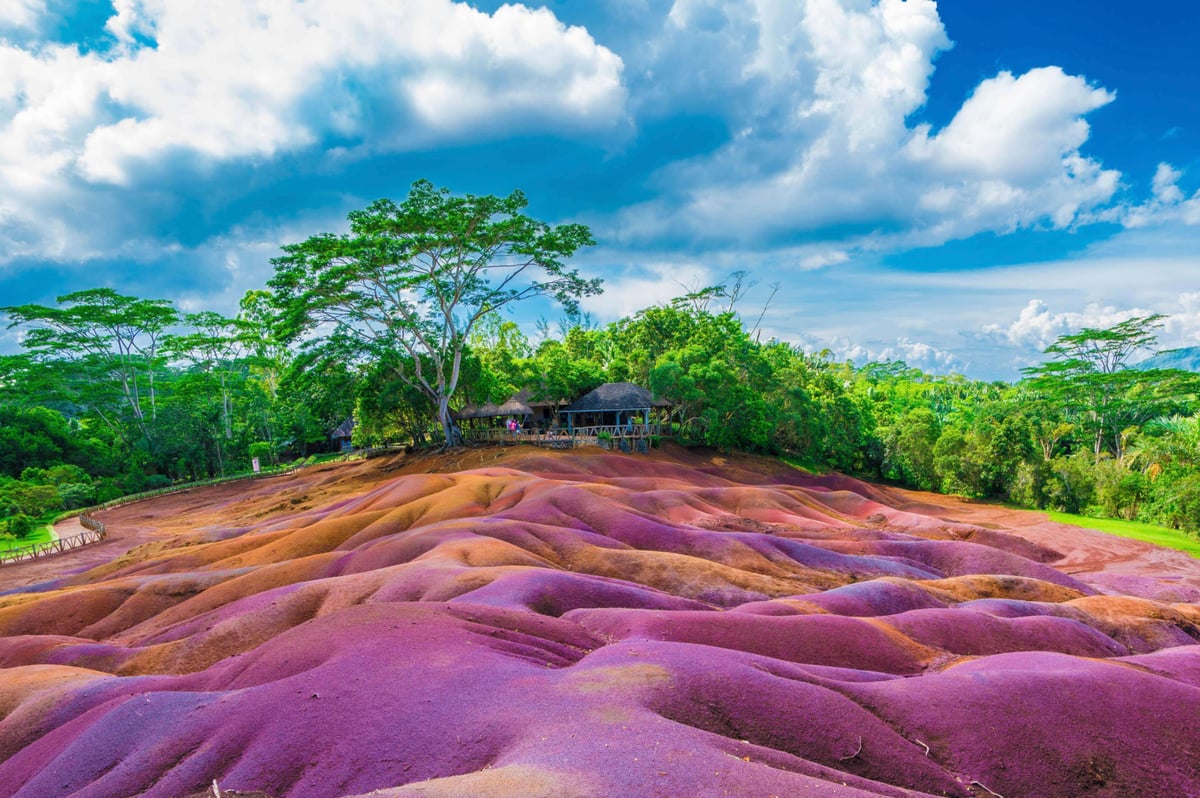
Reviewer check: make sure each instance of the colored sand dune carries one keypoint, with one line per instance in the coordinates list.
(590, 624)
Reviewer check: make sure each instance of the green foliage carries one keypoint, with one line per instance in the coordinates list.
(717, 378)
(27, 499)
(1028, 487)
(1089, 380)
(909, 445)
(39, 435)
(1118, 490)
(401, 321)
(412, 281)
(157, 482)
(957, 462)
(1071, 483)
(264, 451)
(75, 495)
(101, 348)
(20, 526)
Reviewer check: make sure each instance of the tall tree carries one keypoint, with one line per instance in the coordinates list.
(418, 276)
(1090, 375)
(108, 342)
(213, 347)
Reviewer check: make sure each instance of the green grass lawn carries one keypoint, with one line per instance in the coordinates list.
(41, 534)
(1160, 535)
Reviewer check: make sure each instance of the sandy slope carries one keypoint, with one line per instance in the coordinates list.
(525, 623)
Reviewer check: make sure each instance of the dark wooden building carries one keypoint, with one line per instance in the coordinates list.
(621, 406)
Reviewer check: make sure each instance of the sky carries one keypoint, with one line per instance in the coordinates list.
(952, 184)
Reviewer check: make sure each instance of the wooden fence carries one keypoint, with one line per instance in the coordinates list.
(94, 532)
(620, 436)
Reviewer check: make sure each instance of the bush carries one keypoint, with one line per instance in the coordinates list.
(1029, 484)
(1119, 491)
(1072, 482)
(1182, 510)
(64, 474)
(32, 500)
(20, 525)
(107, 491)
(158, 482)
(76, 494)
(265, 452)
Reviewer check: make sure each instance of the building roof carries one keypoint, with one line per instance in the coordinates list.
(525, 396)
(514, 407)
(344, 430)
(486, 410)
(614, 396)
(489, 410)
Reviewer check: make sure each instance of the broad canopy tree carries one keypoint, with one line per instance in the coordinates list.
(1091, 378)
(416, 278)
(106, 346)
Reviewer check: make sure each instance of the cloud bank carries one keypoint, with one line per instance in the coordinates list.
(188, 86)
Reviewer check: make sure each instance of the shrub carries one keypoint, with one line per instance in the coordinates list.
(20, 525)
(1072, 482)
(158, 482)
(265, 452)
(1029, 484)
(1183, 506)
(63, 474)
(1119, 491)
(107, 492)
(76, 494)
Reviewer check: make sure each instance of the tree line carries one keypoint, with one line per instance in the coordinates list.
(403, 320)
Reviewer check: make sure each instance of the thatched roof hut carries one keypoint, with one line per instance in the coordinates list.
(615, 397)
(515, 407)
(512, 407)
(613, 404)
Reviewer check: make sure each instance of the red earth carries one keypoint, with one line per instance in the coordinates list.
(515, 622)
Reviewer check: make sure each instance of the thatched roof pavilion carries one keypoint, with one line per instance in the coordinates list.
(614, 397)
(613, 403)
(512, 407)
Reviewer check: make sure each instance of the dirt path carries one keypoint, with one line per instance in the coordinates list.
(233, 503)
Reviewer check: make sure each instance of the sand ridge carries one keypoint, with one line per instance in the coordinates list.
(520, 622)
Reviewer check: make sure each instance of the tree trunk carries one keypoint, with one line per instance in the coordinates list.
(450, 430)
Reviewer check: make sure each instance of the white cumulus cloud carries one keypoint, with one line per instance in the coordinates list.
(20, 14)
(1036, 327)
(918, 354)
(216, 81)
(841, 79)
(1167, 203)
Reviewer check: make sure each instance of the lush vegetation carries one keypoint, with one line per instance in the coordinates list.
(402, 321)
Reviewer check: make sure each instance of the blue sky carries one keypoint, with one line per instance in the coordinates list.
(953, 184)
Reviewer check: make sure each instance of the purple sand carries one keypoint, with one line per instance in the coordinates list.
(598, 625)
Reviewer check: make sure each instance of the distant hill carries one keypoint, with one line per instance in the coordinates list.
(1186, 358)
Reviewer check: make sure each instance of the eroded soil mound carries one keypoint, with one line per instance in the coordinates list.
(536, 624)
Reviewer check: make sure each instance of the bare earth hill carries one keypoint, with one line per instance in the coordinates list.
(524, 623)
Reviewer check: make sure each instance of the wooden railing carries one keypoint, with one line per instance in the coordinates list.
(566, 438)
(94, 532)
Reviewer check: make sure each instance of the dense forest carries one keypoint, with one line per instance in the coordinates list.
(406, 319)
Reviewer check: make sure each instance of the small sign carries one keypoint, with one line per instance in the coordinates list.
(254, 463)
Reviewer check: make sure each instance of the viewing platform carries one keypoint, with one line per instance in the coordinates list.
(623, 437)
